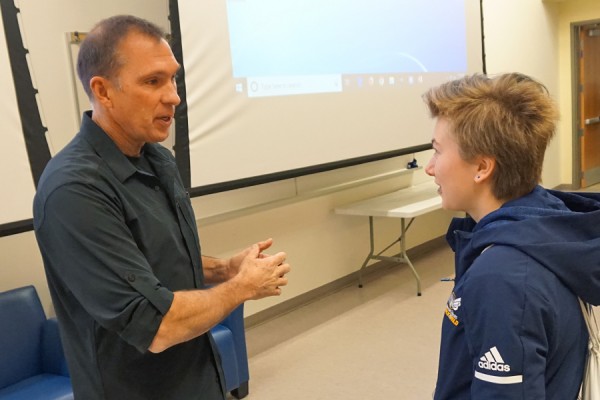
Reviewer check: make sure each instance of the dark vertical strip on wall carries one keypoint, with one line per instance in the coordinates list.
(182, 140)
(483, 63)
(33, 129)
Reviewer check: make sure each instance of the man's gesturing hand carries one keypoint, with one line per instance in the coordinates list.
(263, 275)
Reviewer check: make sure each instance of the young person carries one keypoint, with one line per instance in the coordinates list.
(513, 328)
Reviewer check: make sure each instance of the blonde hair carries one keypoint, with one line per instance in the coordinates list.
(510, 117)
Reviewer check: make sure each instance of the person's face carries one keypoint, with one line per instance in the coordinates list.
(454, 176)
(143, 95)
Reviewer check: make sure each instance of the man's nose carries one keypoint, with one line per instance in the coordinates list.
(171, 97)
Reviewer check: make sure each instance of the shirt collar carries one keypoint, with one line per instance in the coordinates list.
(117, 161)
(106, 148)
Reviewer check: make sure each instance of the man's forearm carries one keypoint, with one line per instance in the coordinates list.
(194, 312)
(249, 276)
(216, 270)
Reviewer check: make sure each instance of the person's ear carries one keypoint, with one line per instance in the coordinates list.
(101, 91)
(485, 168)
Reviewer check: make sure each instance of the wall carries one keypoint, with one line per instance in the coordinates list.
(322, 247)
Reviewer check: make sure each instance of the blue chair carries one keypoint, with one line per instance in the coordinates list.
(32, 362)
(230, 338)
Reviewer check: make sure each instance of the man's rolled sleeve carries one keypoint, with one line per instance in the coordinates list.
(89, 248)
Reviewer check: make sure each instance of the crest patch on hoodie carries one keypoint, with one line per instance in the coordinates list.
(451, 307)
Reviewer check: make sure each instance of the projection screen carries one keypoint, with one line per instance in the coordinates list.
(280, 88)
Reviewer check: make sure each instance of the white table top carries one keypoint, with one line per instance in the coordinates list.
(405, 203)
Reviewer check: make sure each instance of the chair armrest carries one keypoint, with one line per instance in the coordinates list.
(235, 323)
(53, 356)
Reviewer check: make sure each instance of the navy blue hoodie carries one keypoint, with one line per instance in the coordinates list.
(513, 327)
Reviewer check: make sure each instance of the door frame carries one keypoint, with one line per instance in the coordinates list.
(577, 132)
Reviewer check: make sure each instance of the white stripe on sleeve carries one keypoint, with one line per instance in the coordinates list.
(502, 380)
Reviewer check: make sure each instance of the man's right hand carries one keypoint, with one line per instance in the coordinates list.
(193, 312)
(262, 275)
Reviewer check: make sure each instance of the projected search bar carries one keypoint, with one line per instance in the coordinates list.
(290, 85)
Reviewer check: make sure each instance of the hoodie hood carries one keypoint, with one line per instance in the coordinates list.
(559, 230)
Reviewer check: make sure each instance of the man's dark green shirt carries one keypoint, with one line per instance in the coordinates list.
(117, 240)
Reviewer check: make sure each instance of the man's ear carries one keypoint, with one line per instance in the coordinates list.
(101, 88)
(485, 168)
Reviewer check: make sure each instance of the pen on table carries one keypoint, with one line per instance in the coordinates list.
(447, 279)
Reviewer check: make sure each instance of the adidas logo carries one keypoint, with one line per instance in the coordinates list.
(492, 360)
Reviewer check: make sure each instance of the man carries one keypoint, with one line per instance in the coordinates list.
(513, 328)
(118, 236)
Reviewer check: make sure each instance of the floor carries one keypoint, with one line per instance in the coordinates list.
(593, 188)
(376, 342)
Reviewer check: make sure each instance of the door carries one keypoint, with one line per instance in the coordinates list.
(589, 104)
